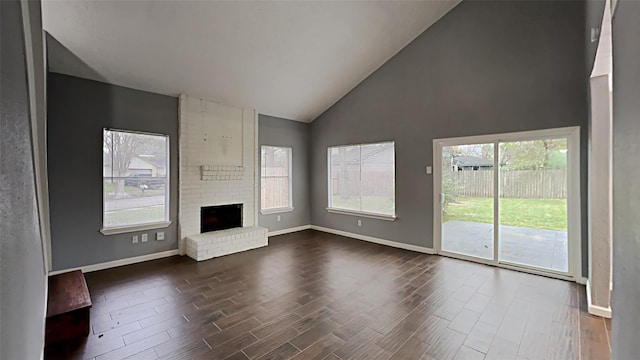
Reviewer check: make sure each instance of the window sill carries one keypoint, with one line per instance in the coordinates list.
(133, 228)
(363, 214)
(276, 211)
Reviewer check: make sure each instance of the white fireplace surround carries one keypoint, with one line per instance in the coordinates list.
(218, 166)
(223, 242)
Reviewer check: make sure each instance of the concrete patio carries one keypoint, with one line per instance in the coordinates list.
(534, 247)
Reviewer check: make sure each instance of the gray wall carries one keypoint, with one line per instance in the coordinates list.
(78, 110)
(282, 132)
(62, 61)
(23, 281)
(485, 67)
(626, 186)
(594, 9)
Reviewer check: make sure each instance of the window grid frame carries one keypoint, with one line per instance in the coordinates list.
(141, 226)
(289, 177)
(361, 213)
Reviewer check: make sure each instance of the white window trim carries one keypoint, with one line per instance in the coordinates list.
(366, 214)
(112, 230)
(133, 228)
(362, 213)
(276, 210)
(290, 176)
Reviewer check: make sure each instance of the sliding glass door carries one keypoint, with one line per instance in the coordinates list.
(533, 203)
(468, 200)
(510, 200)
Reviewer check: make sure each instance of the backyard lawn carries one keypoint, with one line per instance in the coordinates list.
(549, 214)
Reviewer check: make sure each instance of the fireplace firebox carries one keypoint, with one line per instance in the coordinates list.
(220, 217)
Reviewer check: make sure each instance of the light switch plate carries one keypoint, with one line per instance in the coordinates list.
(134, 239)
(145, 237)
(160, 235)
(428, 170)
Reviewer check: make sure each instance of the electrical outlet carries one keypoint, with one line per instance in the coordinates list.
(145, 237)
(278, 218)
(160, 235)
(428, 170)
(134, 239)
(359, 222)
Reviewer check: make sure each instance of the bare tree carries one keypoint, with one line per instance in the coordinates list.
(533, 155)
(121, 147)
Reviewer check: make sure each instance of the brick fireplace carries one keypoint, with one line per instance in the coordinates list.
(218, 166)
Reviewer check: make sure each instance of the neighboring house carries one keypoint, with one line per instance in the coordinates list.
(146, 165)
(460, 163)
(142, 164)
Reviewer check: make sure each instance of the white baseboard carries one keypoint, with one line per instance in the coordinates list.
(121, 262)
(420, 249)
(289, 230)
(600, 311)
(595, 309)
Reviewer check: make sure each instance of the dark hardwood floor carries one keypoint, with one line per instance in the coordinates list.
(311, 295)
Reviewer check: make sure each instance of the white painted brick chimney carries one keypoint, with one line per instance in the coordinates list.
(216, 137)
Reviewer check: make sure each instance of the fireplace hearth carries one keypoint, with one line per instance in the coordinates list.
(220, 217)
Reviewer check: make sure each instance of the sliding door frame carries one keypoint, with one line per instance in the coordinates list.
(574, 237)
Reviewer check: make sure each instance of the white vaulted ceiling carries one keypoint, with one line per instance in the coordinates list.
(287, 59)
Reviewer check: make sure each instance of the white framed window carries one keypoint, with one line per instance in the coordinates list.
(135, 181)
(275, 179)
(362, 180)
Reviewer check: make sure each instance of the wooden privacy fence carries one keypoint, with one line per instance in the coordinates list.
(539, 184)
(274, 187)
(274, 192)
